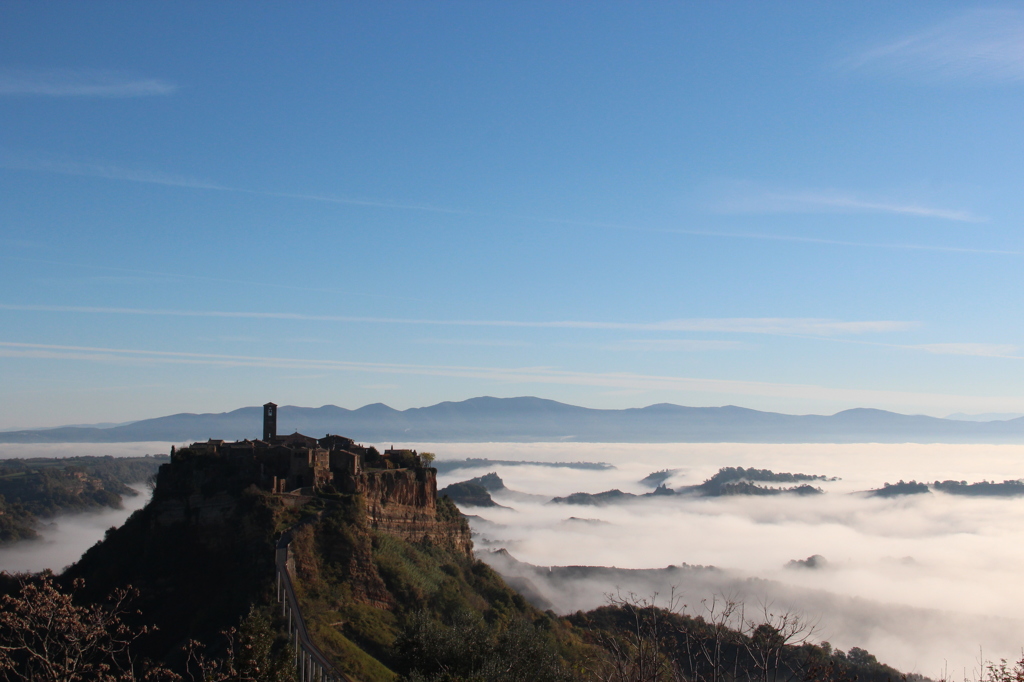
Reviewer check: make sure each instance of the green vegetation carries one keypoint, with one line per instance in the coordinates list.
(982, 489)
(475, 492)
(607, 497)
(900, 489)
(42, 488)
(638, 641)
(471, 493)
(728, 481)
(740, 481)
(657, 478)
(464, 647)
(367, 595)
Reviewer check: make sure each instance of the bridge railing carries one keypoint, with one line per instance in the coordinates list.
(310, 663)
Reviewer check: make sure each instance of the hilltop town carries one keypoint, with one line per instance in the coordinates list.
(298, 463)
(396, 488)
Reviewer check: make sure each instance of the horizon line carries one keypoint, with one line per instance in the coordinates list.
(96, 426)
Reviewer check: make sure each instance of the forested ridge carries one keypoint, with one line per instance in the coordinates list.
(36, 489)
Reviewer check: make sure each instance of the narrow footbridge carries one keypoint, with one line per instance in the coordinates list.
(310, 663)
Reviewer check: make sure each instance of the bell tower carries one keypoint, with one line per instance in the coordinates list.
(269, 422)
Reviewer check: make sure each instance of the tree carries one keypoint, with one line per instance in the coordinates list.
(768, 638)
(636, 651)
(45, 636)
(251, 655)
(706, 638)
(467, 649)
(1004, 672)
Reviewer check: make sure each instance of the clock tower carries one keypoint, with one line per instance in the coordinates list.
(269, 422)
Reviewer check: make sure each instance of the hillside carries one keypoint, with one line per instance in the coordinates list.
(37, 489)
(533, 419)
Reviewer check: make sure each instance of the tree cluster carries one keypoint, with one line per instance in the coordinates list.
(45, 636)
(41, 488)
(638, 641)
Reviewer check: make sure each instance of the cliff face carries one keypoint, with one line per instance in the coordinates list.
(403, 503)
(202, 490)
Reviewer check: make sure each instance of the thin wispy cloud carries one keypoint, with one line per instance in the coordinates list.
(762, 236)
(860, 245)
(743, 197)
(495, 343)
(152, 275)
(676, 345)
(737, 204)
(985, 350)
(80, 83)
(508, 375)
(110, 171)
(740, 325)
(838, 201)
(103, 170)
(981, 45)
(988, 350)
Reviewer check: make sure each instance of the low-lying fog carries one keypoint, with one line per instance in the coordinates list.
(65, 538)
(27, 450)
(921, 581)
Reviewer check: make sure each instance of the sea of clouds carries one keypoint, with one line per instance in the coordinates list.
(928, 583)
(67, 537)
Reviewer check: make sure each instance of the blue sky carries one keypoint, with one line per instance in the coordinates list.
(801, 207)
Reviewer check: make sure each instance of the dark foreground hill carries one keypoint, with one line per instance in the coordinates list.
(534, 419)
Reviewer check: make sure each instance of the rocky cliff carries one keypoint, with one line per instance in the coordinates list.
(403, 503)
(204, 490)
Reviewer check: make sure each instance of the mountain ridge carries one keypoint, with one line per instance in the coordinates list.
(531, 419)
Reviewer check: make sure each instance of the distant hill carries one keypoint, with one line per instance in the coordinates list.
(985, 417)
(535, 419)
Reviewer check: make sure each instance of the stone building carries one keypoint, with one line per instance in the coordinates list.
(204, 481)
(296, 461)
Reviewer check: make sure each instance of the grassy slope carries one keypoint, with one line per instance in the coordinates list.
(417, 579)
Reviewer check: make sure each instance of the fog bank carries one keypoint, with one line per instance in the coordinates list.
(27, 450)
(921, 581)
(65, 538)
